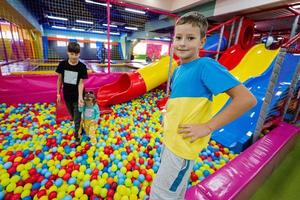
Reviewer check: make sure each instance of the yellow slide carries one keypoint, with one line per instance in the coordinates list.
(156, 73)
(254, 63)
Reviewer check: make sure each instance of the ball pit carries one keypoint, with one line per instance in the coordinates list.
(39, 158)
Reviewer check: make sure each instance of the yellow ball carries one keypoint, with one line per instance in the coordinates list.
(134, 190)
(102, 182)
(10, 187)
(133, 197)
(19, 189)
(15, 178)
(103, 192)
(97, 189)
(124, 198)
(71, 188)
(25, 193)
(78, 192)
(61, 195)
(80, 175)
(84, 197)
(62, 172)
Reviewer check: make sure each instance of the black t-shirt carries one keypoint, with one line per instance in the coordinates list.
(71, 75)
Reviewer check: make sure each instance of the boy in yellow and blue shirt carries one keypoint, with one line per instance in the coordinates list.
(188, 122)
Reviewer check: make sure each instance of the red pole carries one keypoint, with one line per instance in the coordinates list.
(108, 34)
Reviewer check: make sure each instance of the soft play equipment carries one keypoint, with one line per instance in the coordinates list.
(237, 135)
(253, 64)
(132, 85)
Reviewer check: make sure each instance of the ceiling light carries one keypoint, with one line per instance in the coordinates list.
(58, 18)
(111, 25)
(59, 27)
(77, 29)
(114, 33)
(84, 22)
(131, 28)
(98, 31)
(97, 3)
(135, 11)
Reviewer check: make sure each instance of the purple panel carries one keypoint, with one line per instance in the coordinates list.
(42, 88)
(231, 179)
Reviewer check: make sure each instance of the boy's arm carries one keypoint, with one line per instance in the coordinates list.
(242, 101)
(80, 92)
(59, 81)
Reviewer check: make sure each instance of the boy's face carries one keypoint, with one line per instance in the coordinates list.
(187, 42)
(73, 57)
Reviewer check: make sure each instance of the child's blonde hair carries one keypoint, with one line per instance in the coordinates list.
(195, 19)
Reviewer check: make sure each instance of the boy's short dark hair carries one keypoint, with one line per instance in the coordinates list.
(73, 47)
(196, 19)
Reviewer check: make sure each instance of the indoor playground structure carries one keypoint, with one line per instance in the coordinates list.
(127, 48)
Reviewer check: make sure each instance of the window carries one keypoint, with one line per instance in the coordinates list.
(61, 43)
(93, 45)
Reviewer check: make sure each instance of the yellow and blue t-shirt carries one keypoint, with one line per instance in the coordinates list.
(193, 85)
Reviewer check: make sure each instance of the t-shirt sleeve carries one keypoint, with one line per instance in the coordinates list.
(83, 74)
(172, 78)
(59, 68)
(217, 78)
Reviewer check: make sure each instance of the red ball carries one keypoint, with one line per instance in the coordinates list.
(110, 193)
(41, 193)
(34, 192)
(148, 188)
(194, 176)
(88, 191)
(16, 197)
(94, 176)
(114, 185)
(95, 171)
(72, 193)
(141, 161)
(150, 162)
(59, 157)
(32, 171)
(217, 154)
(105, 162)
(76, 167)
(8, 195)
(148, 177)
(48, 184)
(128, 166)
(52, 195)
(66, 176)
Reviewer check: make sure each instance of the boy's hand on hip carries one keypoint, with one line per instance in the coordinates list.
(194, 131)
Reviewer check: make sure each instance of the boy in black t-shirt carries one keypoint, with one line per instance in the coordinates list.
(71, 73)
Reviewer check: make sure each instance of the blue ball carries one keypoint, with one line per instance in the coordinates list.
(86, 184)
(206, 173)
(71, 181)
(58, 182)
(141, 178)
(7, 165)
(67, 197)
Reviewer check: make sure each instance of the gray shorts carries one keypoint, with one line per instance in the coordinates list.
(171, 180)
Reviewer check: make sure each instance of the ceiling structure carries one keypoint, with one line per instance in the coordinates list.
(90, 15)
